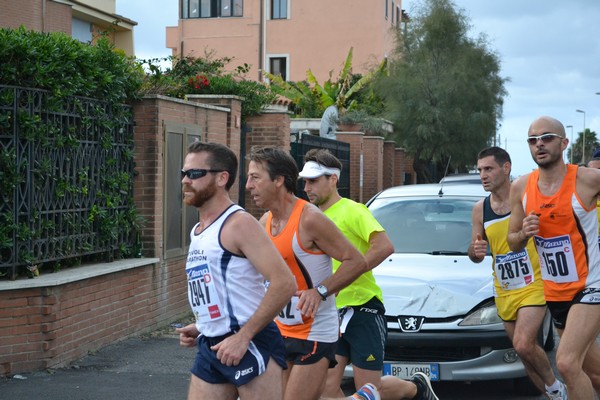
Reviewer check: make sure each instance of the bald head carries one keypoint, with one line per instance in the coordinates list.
(546, 125)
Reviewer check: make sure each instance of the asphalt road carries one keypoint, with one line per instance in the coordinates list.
(155, 367)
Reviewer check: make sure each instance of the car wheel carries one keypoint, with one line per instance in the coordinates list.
(525, 387)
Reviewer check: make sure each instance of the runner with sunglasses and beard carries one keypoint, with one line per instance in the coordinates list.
(556, 206)
(240, 350)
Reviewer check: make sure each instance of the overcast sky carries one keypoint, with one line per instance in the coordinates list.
(549, 49)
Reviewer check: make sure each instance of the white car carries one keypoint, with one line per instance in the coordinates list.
(458, 179)
(440, 310)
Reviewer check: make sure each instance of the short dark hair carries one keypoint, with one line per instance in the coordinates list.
(278, 162)
(220, 157)
(500, 155)
(323, 157)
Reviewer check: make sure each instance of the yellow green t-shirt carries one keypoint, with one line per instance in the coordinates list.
(357, 223)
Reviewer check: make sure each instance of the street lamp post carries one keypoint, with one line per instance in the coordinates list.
(583, 139)
(572, 143)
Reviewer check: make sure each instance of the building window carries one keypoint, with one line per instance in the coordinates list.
(279, 9)
(81, 30)
(278, 66)
(386, 9)
(211, 8)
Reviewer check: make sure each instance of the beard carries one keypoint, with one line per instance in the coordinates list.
(200, 198)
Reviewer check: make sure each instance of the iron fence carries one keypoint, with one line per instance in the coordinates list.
(66, 178)
(301, 144)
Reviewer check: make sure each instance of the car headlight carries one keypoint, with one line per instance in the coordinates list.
(485, 315)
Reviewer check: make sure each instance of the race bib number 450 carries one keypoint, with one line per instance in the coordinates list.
(557, 261)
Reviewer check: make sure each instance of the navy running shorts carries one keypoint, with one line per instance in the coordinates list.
(363, 341)
(267, 344)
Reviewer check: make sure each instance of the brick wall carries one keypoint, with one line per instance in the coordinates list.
(389, 172)
(355, 139)
(49, 327)
(59, 18)
(29, 13)
(46, 324)
(372, 166)
(269, 129)
(403, 164)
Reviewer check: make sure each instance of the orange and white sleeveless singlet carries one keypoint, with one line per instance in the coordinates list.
(310, 269)
(567, 242)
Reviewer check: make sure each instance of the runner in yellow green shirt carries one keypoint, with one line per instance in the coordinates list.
(363, 327)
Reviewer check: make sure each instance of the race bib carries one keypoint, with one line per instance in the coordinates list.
(557, 261)
(290, 315)
(514, 270)
(202, 294)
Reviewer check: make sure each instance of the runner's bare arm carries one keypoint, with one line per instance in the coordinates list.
(517, 239)
(478, 248)
(380, 247)
(242, 234)
(588, 186)
(318, 231)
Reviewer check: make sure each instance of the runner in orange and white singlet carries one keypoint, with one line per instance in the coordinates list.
(310, 268)
(556, 206)
(307, 240)
(567, 242)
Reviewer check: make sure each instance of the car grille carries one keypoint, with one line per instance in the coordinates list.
(431, 354)
(442, 350)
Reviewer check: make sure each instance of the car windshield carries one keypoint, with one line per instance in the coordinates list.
(431, 225)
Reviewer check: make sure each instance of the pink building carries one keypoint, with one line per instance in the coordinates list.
(288, 37)
(83, 20)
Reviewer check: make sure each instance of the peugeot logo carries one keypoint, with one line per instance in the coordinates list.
(410, 323)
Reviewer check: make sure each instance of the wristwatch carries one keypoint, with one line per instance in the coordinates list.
(322, 290)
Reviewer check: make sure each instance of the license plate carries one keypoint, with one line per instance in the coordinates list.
(405, 370)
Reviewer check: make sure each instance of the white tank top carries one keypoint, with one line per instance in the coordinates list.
(224, 289)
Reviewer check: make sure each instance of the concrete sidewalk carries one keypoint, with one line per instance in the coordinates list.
(149, 367)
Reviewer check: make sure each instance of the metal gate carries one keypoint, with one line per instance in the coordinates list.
(301, 144)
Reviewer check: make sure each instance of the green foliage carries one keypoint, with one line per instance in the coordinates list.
(206, 75)
(444, 92)
(58, 127)
(369, 123)
(576, 149)
(67, 67)
(310, 99)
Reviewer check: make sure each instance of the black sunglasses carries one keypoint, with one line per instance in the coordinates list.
(197, 173)
(545, 138)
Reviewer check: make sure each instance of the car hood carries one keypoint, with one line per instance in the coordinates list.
(433, 286)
